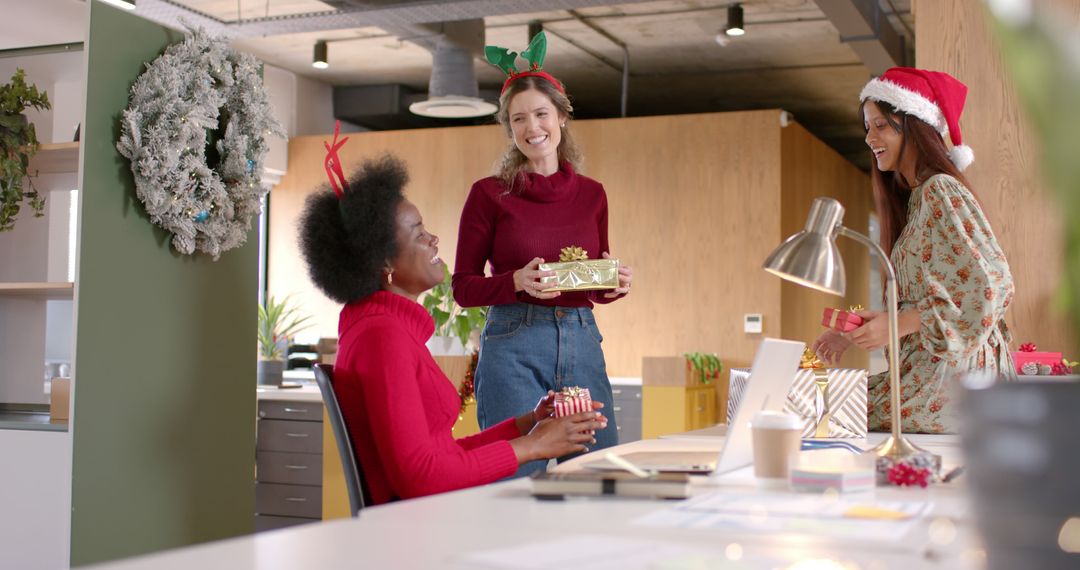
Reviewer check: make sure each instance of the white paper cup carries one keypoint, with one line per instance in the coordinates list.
(776, 437)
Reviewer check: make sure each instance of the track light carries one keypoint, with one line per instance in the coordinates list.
(735, 21)
(125, 4)
(320, 61)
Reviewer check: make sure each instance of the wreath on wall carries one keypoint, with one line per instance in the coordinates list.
(195, 131)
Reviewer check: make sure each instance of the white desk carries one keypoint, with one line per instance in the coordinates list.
(440, 531)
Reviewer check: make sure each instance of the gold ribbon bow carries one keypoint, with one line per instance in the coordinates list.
(810, 360)
(573, 253)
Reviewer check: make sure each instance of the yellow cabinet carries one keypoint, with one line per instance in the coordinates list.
(674, 400)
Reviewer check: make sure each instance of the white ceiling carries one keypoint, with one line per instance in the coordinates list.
(791, 56)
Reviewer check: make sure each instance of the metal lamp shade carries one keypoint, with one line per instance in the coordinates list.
(811, 260)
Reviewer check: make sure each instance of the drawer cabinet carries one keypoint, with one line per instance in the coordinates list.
(288, 464)
(627, 411)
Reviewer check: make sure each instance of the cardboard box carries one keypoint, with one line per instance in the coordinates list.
(59, 399)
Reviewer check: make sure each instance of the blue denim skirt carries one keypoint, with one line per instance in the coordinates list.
(526, 350)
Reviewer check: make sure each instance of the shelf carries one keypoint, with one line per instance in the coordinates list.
(63, 290)
(29, 420)
(55, 158)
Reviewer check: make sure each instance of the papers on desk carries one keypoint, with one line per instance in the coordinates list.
(847, 518)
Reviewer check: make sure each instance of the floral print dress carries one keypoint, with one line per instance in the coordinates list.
(950, 268)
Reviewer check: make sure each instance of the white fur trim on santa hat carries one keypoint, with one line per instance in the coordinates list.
(962, 156)
(906, 100)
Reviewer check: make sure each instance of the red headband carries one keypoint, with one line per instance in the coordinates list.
(536, 73)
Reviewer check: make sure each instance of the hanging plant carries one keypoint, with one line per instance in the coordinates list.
(195, 131)
(18, 144)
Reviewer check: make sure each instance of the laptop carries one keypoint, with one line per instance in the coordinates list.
(771, 377)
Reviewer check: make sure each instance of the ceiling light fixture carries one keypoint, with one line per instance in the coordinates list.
(320, 60)
(125, 4)
(735, 21)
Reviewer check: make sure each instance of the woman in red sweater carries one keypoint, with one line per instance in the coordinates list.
(369, 250)
(534, 206)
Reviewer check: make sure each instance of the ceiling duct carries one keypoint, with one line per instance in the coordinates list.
(453, 92)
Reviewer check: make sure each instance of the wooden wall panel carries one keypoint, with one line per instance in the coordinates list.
(955, 37)
(811, 169)
(694, 208)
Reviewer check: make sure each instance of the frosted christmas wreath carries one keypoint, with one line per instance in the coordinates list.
(195, 131)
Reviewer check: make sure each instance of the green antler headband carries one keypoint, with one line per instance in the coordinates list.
(505, 59)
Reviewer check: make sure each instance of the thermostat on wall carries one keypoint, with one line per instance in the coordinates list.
(752, 323)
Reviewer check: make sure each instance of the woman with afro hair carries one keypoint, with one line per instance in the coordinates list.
(370, 251)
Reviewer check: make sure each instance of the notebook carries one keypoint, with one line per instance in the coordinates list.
(620, 483)
(771, 377)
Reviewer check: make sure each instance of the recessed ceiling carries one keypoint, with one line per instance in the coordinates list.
(791, 57)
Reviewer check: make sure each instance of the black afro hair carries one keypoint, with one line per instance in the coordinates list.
(347, 242)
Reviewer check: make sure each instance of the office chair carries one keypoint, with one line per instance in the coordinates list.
(359, 495)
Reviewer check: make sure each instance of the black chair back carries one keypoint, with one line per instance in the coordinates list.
(359, 495)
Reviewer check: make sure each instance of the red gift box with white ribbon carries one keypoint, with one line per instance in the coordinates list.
(572, 400)
(843, 321)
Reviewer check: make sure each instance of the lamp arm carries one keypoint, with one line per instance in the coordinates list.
(894, 334)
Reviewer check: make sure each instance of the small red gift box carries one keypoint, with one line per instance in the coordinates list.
(1047, 358)
(572, 400)
(843, 321)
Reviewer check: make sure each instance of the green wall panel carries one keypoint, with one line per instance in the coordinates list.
(164, 412)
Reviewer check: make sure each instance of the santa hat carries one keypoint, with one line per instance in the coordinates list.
(935, 97)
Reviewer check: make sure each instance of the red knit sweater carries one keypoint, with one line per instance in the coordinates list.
(400, 407)
(547, 214)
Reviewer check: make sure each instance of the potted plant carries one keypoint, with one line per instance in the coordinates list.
(277, 323)
(18, 144)
(454, 325)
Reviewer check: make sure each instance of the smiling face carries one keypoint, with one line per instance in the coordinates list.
(417, 266)
(883, 138)
(535, 123)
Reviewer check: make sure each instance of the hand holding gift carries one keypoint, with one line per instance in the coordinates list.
(873, 333)
(626, 276)
(530, 279)
(576, 272)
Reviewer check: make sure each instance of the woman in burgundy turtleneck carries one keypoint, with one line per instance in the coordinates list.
(536, 204)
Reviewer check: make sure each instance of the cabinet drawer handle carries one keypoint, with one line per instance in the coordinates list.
(298, 467)
(637, 395)
(297, 434)
(296, 499)
(702, 409)
(616, 390)
(295, 410)
(618, 408)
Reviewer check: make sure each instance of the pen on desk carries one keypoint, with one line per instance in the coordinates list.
(626, 465)
(953, 474)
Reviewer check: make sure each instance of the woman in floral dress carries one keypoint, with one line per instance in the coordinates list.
(953, 280)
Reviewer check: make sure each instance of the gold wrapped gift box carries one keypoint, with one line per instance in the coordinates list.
(586, 275)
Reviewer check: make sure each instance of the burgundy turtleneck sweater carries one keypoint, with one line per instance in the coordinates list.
(545, 215)
(400, 407)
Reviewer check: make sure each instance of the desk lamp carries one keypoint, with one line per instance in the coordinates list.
(810, 258)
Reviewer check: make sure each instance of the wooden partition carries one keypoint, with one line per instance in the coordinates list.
(955, 37)
(696, 204)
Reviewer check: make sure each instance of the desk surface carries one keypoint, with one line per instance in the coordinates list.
(441, 531)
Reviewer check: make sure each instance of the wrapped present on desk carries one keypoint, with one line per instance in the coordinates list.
(1030, 361)
(832, 404)
(572, 400)
(576, 272)
(843, 321)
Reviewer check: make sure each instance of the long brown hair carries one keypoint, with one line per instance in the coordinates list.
(891, 192)
(511, 167)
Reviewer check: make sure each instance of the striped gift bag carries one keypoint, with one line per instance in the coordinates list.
(830, 406)
(572, 400)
